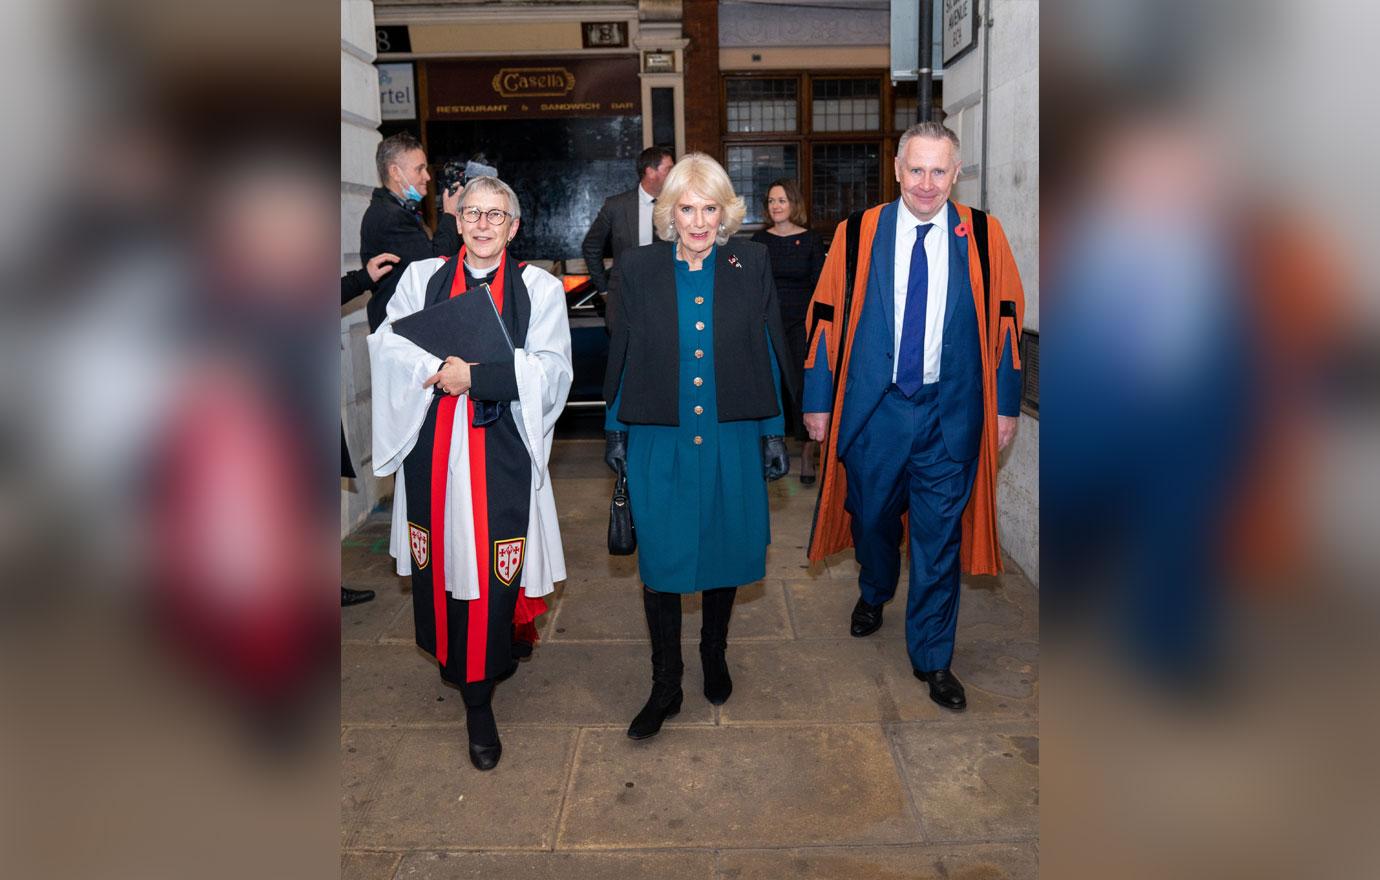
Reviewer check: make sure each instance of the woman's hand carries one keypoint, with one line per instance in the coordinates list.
(452, 378)
(616, 451)
(380, 266)
(776, 461)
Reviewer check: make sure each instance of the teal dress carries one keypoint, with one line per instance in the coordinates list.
(699, 500)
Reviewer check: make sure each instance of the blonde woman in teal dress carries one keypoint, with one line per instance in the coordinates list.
(694, 386)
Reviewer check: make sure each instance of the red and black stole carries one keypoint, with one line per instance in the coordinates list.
(471, 639)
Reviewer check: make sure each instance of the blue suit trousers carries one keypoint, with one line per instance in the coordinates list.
(899, 463)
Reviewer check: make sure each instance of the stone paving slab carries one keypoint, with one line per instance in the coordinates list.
(424, 793)
(591, 561)
(839, 680)
(394, 684)
(823, 609)
(973, 783)
(736, 786)
(368, 866)
(786, 559)
(829, 760)
(365, 756)
(592, 685)
(371, 621)
(579, 459)
(689, 865)
(999, 677)
(595, 610)
(980, 862)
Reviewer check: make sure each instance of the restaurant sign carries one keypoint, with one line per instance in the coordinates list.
(549, 88)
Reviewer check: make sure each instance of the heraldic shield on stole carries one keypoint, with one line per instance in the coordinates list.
(508, 559)
(420, 539)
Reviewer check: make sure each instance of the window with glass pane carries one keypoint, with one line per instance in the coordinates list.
(903, 106)
(845, 178)
(756, 105)
(847, 105)
(752, 168)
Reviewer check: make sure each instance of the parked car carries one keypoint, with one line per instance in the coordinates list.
(589, 341)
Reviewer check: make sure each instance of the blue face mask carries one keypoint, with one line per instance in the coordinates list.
(411, 193)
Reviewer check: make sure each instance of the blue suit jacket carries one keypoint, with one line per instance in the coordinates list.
(870, 365)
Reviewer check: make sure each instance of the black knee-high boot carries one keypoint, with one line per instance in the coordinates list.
(663, 622)
(718, 608)
(485, 747)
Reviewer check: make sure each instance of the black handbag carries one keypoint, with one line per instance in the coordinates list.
(622, 535)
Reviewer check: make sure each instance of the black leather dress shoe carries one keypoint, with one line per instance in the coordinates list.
(354, 597)
(485, 757)
(945, 688)
(867, 619)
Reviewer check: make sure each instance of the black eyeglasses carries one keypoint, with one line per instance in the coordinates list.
(497, 216)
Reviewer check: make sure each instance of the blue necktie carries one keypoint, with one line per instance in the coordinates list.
(910, 369)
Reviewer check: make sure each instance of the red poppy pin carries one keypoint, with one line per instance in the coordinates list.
(733, 261)
(961, 230)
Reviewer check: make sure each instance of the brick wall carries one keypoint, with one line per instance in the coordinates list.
(701, 26)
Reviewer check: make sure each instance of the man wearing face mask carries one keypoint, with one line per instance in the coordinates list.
(393, 221)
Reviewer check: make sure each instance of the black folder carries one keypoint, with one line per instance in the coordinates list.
(467, 326)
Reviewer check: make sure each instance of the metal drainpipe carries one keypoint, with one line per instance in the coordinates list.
(924, 86)
(987, 22)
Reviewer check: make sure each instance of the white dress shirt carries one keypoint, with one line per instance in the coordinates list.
(644, 216)
(937, 253)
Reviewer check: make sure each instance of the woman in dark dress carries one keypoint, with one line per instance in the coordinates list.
(694, 388)
(797, 256)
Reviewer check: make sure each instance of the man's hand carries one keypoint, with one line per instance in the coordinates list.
(380, 266)
(1006, 431)
(451, 203)
(452, 378)
(816, 424)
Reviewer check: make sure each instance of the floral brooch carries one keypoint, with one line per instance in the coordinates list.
(961, 230)
(733, 261)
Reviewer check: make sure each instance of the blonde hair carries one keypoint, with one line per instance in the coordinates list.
(700, 174)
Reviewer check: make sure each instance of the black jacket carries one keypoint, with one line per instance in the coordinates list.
(389, 228)
(644, 351)
(614, 231)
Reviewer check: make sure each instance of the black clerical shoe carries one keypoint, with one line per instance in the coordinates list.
(486, 757)
(867, 619)
(354, 597)
(945, 688)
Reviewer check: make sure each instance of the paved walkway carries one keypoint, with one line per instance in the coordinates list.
(829, 761)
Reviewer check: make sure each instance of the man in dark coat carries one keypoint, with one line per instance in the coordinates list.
(393, 222)
(625, 220)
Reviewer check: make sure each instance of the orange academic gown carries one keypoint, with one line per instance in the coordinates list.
(980, 552)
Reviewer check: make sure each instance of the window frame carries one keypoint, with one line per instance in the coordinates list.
(806, 137)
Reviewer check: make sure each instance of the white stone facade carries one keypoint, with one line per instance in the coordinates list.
(1013, 196)
(359, 137)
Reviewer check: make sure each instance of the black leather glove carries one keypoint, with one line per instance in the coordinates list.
(776, 462)
(616, 450)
